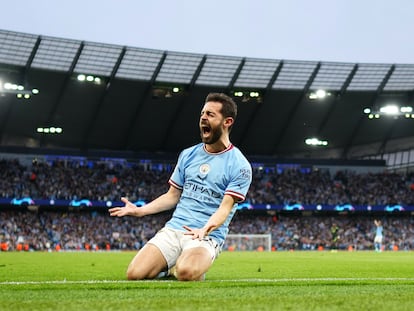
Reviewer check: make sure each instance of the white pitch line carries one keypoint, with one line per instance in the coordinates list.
(320, 279)
(293, 280)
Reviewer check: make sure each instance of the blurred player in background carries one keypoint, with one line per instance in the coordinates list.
(209, 179)
(378, 235)
(335, 237)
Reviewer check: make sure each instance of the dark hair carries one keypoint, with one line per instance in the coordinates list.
(229, 108)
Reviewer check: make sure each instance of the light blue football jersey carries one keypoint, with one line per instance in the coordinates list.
(204, 179)
(378, 231)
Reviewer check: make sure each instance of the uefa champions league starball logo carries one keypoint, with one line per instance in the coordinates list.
(204, 169)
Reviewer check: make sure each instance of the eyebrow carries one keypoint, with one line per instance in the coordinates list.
(208, 111)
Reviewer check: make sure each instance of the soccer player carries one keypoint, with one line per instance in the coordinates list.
(378, 235)
(335, 237)
(208, 181)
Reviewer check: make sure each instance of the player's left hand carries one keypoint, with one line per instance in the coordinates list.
(196, 233)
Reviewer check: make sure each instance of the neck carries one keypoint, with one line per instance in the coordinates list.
(217, 146)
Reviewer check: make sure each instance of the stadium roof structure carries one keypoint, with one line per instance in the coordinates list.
(91, 96)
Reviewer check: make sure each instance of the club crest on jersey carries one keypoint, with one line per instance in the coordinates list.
(204, 169)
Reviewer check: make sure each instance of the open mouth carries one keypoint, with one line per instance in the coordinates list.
(205, 129)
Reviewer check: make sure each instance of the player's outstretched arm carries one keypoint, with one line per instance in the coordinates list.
(164, 202)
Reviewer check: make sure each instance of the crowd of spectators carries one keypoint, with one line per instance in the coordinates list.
(96, 230)
(323, 187)
(108, 181)
(82, 230)
(72, 180)
(51, 230)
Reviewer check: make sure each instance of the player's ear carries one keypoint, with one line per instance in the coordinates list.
(228, 121)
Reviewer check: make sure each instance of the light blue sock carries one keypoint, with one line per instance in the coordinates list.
(162, 274)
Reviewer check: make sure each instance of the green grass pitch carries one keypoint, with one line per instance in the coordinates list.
(296, 280)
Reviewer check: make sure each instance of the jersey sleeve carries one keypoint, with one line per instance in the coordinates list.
(240, 181)
(177, 177)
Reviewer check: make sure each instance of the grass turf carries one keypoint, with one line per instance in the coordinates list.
(237, 281)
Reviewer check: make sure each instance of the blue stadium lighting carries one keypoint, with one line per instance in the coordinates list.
(394, 208)
(80, 203)
(92, 204)
(293, 207)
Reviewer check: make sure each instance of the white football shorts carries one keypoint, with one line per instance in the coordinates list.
(378, 239)
(173, 242)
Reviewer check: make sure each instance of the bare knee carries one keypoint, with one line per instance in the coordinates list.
(147, 264)
(139, 272)
(193, 264)
(188, 273)
(133, 273)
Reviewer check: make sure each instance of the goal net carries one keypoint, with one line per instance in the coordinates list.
(248, 242)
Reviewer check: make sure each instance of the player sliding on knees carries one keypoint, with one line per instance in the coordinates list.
(208, 181)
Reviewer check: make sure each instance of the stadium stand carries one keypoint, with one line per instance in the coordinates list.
(90, 227)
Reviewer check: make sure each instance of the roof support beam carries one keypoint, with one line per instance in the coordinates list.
(62, 89)
(183, 102)
(361, 118)
(337, 98)
(236, 75)
(23, 81)
(146, 94)
(295, 108)
(91, 124)
(30, 60)
(264, 100)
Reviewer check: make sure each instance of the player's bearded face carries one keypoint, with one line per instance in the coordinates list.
(211, 123)
(210, 134)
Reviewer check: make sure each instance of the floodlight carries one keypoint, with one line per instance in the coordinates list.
(321, 94)
(389, 109)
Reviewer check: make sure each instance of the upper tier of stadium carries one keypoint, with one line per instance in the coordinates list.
(143, 100)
